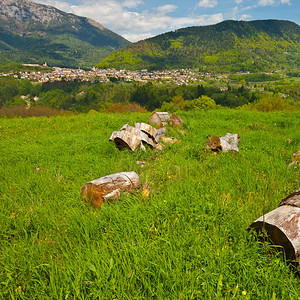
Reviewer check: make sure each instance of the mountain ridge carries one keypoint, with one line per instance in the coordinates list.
(32, 32)
(227, 46)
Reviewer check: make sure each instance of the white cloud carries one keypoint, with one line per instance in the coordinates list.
(134, 37)
(132, 3)
(166, 8)
(130, 23)
(232, 15)
(207, 3)
(245, 17)
(266, 2)
(64, 6)
(197, 21)
(238, 1)
(273, 2)
(236, 13)
(285, 2)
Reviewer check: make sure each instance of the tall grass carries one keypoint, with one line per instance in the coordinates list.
(30, 111)
(186, 241)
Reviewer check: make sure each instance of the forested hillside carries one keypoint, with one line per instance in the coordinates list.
(36, 33)
(229, 46)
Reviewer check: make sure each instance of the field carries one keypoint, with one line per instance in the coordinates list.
(187, 240)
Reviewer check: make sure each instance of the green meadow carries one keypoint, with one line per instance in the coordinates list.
(187, 240)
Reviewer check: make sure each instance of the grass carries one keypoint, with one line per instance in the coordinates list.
(186, 241)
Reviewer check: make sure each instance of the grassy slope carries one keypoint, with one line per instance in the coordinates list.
(186, 241)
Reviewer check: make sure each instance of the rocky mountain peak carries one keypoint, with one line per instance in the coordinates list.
(26, 10)
(30, 32)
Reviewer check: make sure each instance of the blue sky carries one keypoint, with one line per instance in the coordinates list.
(140, 19)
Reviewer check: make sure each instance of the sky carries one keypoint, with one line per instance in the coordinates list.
(140, 19)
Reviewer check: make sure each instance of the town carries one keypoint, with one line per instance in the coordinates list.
(177, 76)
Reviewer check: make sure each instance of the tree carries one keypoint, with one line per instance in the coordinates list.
(9, 88)
(57, 99)
(200, 90)
(178, 101)
(201, 103)
(25, 87)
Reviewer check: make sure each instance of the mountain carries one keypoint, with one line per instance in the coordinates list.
(36, 33)
(262, 45)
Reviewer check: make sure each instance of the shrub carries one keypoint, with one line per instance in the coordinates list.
(123, 108)
(178, 103)
(169, 107)
(33, 111)
(272, 103)
(201, 103)
(93, 112)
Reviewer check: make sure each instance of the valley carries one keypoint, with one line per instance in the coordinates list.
(73, 93)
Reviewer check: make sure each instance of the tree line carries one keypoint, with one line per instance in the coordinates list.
(83, 97)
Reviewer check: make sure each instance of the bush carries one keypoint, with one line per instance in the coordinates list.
(201, 103)
(178, 103)
(272, 103)
(93, 112)
(124, 108)
(33, 111)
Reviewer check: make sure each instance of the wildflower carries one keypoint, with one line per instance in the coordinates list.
(20, 289)
(244, 293)
(145, 192)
